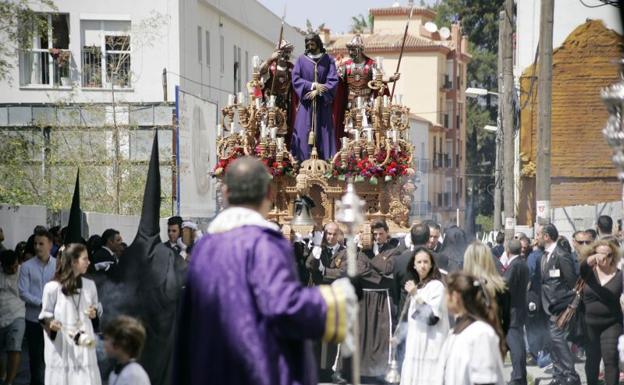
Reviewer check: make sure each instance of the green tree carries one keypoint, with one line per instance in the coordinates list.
(311, 29)
(15, 15)
(479, 21)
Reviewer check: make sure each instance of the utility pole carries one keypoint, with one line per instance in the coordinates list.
(499, 131)
(544, 96)
(508, 137)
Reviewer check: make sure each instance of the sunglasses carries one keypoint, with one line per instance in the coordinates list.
(583, 242)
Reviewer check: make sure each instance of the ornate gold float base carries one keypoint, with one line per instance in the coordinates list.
(389, 200)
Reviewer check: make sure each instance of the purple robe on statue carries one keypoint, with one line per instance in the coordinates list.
(302, 79)
(245, 316)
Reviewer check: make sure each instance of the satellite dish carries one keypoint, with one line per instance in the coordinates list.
(445, 33)
(431, 27)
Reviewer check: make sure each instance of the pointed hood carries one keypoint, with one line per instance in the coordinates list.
(74, 226)
(148, 281)
(150, 214)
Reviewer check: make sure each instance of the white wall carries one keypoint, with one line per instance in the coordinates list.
(127, 225)
(568, 15)
(244, 23)
(18, 222)
(153, 48)
(584, 217)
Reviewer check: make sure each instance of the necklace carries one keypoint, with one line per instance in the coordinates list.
(77, 307)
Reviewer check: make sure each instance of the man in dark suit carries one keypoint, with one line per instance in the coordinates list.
(320, 262)
(499, 248)
(174, 232)
(558, 280)
(516, 275)
(107, 256)
(434, 236)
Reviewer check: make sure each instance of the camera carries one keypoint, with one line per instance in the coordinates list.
(81, 338)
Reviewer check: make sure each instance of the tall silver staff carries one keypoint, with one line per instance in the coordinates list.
(350, 213)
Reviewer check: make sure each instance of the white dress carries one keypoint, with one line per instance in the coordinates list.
(66, 362)
(471, 357)
(424, 342)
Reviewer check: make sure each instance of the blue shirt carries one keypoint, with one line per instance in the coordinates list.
(33, 276)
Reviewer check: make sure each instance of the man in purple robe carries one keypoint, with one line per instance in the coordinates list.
(314, 81)
(245, 316)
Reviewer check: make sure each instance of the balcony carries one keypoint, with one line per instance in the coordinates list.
(447, 83)
(456, 160)
(447, 161)
(447, 199)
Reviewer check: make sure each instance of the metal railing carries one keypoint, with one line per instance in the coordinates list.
(42, 67)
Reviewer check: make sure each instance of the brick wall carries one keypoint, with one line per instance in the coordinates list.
(581, 167)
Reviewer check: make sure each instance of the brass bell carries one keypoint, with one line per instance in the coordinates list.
(303, 215)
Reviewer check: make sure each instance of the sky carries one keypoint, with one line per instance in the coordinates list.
(336, 14)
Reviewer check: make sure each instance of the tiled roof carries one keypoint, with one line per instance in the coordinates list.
(400, 11)
(384, 42)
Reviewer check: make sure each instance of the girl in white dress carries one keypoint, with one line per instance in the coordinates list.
(69, 304)
(472, 353)
(427, 324)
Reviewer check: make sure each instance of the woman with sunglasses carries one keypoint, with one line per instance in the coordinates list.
(601, 297)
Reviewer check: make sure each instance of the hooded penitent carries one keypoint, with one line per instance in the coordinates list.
(147, 282)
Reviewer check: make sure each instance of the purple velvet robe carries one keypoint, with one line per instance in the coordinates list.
(245, 317)
(302, 79)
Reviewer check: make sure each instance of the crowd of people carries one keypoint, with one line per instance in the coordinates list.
(514, 292)
(427, 302)
(49, 304)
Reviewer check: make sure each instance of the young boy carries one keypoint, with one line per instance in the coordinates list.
(124, 338)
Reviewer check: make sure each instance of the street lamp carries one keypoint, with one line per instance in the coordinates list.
(472, 92)
(475, 93)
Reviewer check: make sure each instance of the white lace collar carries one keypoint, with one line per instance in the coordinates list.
(235, 217)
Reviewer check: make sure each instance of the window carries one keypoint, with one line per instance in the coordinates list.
(449, 115)
(237, 69)
(199, 44)
(208, 48)
(449, 74)
(47, 61)
(106, 54)
(222, 53)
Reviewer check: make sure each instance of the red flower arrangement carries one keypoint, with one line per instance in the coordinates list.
(223, 163)
(277, 168)
(365, 169)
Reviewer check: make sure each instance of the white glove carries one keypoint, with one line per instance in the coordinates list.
(317, 238)
(181, 244)
(532, 306)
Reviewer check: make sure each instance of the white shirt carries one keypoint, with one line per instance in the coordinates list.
(549, 250)
(471, 357)
(131, 374)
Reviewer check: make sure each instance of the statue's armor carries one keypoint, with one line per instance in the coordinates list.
(358, 76)
(282, 80)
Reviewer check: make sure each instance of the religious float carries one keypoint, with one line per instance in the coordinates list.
(370, 132)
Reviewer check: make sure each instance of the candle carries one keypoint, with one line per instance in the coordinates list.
(255, 62)
(394, 136)
(280, 143)
(385, 100)
(369, 134)
(232, 128)
(345, 142)
(241, 98)
(263, 130)
(360, 102)
(231, 99)
(364, 119)
(272, 101)
(219, 130)
(379, 61)
(357, 135)
(258, 103)
(273, 133)
(400, 99)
